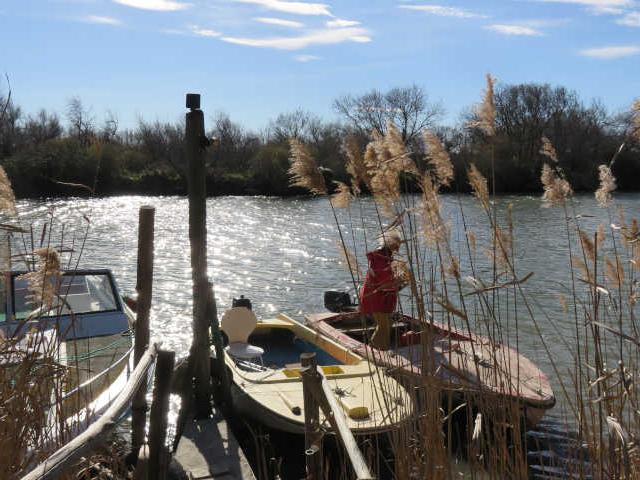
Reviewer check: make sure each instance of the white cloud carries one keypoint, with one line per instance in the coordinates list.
(158, 5)
(100, 20)
(611, 52)
(631, 19)
(305, 58)
(203, 32)
(340, 23)
(173, 31)
(520, 30)
(318, 37)
(606, 7)
(279, 22)
(444, 11)
(297, 8)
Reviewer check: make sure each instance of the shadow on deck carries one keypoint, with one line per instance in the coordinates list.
(209, 450)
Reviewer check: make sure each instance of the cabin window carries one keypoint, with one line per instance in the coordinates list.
(78, 294)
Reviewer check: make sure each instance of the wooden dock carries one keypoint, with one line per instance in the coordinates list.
(209, 450)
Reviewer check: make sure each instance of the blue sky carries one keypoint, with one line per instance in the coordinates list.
(254, 59)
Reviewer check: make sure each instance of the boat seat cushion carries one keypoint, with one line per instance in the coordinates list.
(244, 351)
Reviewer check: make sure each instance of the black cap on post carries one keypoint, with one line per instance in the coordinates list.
(193, 101)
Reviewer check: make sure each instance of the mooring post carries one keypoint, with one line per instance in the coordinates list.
(144, 285)
(220, 371)
(158, 453)
(142, 465)
(196, 142)
(312, 432)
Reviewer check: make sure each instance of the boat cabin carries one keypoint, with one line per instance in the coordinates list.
(87, 304)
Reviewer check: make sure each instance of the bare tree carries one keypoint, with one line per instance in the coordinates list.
(407, 107)
(10, 115)
(236, 146)
(41, 127)
(163, 142)
(5, 102)
(298, 124)
(109, 129)
(81, 121)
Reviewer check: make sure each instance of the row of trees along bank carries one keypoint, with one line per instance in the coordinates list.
(43, 156)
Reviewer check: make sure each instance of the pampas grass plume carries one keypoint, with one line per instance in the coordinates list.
(438, 157)
(7, 197)
(556, 189)
(342, 197)
(486, 111)
(607, 185)
(548, 150)
(43, 281)
(479, 185)
(304, 170)
(356, 166)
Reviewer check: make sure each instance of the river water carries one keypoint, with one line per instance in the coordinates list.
(283, 254)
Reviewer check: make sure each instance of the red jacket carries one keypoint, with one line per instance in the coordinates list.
(379, 293)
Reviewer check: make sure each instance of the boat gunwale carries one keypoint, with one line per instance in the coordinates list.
(362, 368)
(323, 323)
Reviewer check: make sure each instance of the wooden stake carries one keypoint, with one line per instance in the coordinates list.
(317, 393)
(220, 373)
(142, 465)
(158, 416)
(144, 284)
(195, 141)
(312, 432)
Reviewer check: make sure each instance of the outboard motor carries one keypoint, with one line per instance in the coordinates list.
(338, 302)
(241, 302)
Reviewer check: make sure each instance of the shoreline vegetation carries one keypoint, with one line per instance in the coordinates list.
(479, 288)
(49, 155)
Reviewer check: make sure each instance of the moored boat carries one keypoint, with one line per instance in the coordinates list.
(263, 360)
(81, 345)
(467, 365)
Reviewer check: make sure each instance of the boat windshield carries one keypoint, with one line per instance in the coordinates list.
(74, 293)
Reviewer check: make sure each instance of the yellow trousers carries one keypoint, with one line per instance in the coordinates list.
(381, 338)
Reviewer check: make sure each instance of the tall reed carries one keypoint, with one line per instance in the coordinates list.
(449, 284)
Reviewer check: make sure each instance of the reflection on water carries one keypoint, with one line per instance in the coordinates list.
(283, 254)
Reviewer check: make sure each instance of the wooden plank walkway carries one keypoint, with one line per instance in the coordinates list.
(209, 450)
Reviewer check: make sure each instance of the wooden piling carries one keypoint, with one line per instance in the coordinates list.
(144, 283)
(220, 374)
(312, 432)
(195, 140)
(142, 464)
(318, 395)
(158, 454)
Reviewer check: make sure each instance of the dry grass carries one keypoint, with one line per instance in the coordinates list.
(607, 185)
(304, 170)
(438, 158)
(556, 188)
(486, 111)
(35, 373)
(7, 197)
(600, 392)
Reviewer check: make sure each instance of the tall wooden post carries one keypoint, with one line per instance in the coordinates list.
(158, 454)
(220, 373)
(195, 140)
(312, 432)
(144, 285)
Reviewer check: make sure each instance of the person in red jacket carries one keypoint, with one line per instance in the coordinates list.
(379, 293)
